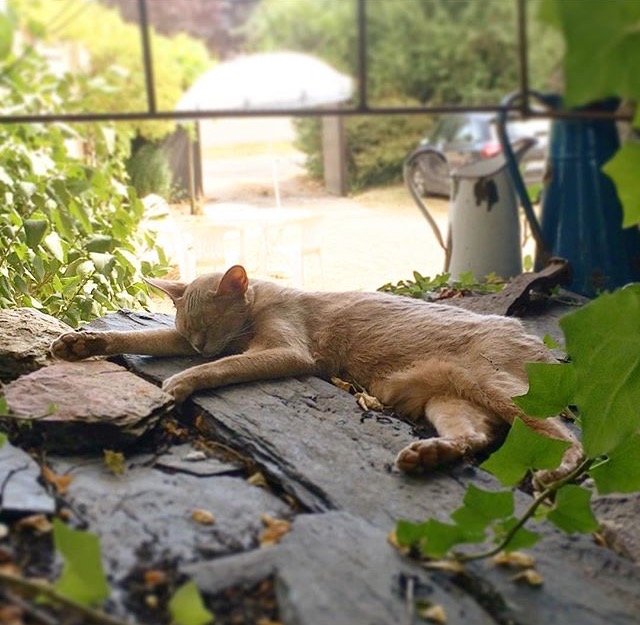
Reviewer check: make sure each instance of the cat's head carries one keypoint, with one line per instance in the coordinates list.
(211, 311)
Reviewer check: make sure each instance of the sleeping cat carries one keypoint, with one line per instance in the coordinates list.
(455, 368)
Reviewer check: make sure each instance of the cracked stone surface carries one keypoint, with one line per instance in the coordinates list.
(25, 337)
(20, 489)
(85, 405)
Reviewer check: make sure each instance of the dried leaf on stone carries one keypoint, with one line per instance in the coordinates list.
(392, 539)
(368, 402)
(36, 522)
(274, 531)
(114, 461)
(451, 566)
(529, 576)
(341, 384)
(257, 479)
(59, 482)
(195, 456)
(514, 559)
(204, 517)
(432, 612)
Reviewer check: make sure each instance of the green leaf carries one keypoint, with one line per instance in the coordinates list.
(550, 342)
(439, 538)
(187, 608)
(602, 41)
(54, 245)
(603, 341)
(522, 539)
(481, 507)
(572, 510)
(6, 35)
(3, 438)
(551, 389)
(620, 473)
(99, 243)
(35, 230)
(623, 170)
(82, 578)
(409, 533)
(522, 451)
(4, 407)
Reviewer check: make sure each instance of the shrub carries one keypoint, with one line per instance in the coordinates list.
(149, 170)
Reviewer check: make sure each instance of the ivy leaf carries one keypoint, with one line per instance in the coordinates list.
(522, 539)
(187, 608)
(522, 451)
(602, 40)
(481, 507)
(623, 170)
(620, 473)
(409, 533)
(572, 510)
(551, 389)
(82, 578)
(438, 538)
(603, 340)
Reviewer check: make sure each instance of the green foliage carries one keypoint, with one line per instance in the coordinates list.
(522, 451)
(186, 606)
(116, 79)
(602, 59)
(603, 342)
(82, 578)
(69, 240)
(552, 387)
(419, 51)
(601, 381)
(149, 170)
(425, 287)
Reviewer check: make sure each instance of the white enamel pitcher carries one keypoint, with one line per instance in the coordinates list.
(484, 226)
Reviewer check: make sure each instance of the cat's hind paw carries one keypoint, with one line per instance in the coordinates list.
(429, 453)
(78, 345)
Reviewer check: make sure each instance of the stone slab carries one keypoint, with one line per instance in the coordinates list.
(25, 337)
(84, 405)
(20, 489)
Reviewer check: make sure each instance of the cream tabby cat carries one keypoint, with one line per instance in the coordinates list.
(455, 368)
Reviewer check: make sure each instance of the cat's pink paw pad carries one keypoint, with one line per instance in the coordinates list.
(428, 454)
(78, 345)
(179, 387)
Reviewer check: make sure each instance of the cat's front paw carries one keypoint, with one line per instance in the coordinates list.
(79, 345)
(179, 386)
(428, 454)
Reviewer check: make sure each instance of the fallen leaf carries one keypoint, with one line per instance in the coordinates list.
(274, 531)
(65, 514)
(195, 456)
(155, 577)
(11, 615)
(257, 479)
(10, 569)
(451, 566)
(368, 402)
(514, 559)
(59, 482)
(204, 517)
(433, 612)
(36, 522)
(114, 461)
(341, 384)
(529, 576)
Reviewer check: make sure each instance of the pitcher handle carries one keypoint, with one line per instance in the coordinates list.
(406, 174)
(514, 172)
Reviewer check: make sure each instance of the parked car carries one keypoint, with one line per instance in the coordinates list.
(467, 137)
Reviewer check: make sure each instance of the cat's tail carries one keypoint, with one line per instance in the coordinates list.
(410, 391)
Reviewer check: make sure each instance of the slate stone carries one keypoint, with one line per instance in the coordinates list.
(180, 459)
(148, 511)
(340, 569)
(20, 489)
(619, 515)
(25, 337)
(85, 405)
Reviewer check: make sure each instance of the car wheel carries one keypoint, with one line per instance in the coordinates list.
(430, 175)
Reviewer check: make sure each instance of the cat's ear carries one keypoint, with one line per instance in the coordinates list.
(175, 290)
(234, 282)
